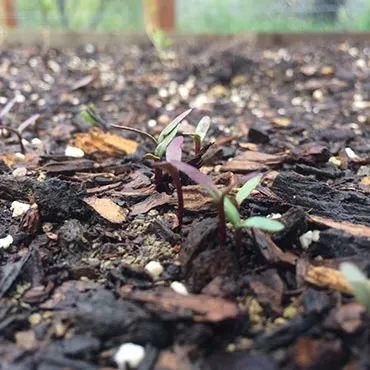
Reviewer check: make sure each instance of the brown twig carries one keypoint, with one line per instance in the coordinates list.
(16, 132)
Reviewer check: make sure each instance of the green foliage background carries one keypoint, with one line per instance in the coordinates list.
(214, 16)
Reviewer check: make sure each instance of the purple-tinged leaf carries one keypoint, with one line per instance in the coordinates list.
(198, 177)
(8, 107)
(174, 152)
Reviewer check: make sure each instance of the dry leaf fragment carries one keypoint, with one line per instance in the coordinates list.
(282, 121)
(326, 277)
(253, 161)
(98, 141)
(107, 209)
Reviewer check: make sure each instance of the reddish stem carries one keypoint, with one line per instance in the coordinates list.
(157, 176)
(222, 221)
(180, 197)
(23, 149)
(197, 146)
(238, 242)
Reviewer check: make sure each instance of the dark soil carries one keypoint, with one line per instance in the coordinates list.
(73, 284)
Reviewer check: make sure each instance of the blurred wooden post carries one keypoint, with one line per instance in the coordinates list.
(9, 13)
(160, 14)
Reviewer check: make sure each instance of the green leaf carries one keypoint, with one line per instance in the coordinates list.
(162, 146)
(231, 212)
(247, 189)
(262, 223)
(89, 118)
(202, 128)
(174, 125)
(358, 282)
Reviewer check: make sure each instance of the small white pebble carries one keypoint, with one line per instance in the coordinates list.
(74, 152)
(163, 93)
(152, 123)
(20, 156)
(307, 238)
(179, 288)
(337, 162)
(350, 153)
(274, 216)
(6, 242)
(20, 172)
(129, 354)
(19, 209)
(36, 141)
(155, 269)
(315, 235)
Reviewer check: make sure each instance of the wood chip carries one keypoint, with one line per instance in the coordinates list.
(107, 209)
(205, 308)
(253, 161)
(155, 200)
(326, 277)
(347, 227)
(97, 141)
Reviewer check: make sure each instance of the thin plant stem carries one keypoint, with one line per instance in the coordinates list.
(197, 146)
(19, 136)
(180, 197)
(238, 242)
(222, 221)
(157, 176)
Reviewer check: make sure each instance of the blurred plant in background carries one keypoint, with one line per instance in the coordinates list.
(216, 16)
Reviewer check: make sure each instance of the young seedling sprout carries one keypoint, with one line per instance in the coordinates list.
(233, 215)
(216, 195)
(161, 143)
(174, 154)
(226, 207)
(200, 133)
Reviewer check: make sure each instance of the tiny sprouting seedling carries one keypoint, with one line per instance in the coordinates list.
(161, 142)
(174, 153)
(216, 195)
(200, 133)
(358, 281)
(233, 215)
(226, 208)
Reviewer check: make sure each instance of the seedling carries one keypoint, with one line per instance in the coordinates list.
(216, 195)
(174, 154)
(233, 215)
(358, 282)
(227, 208)
(200, 133)
(161, 142)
